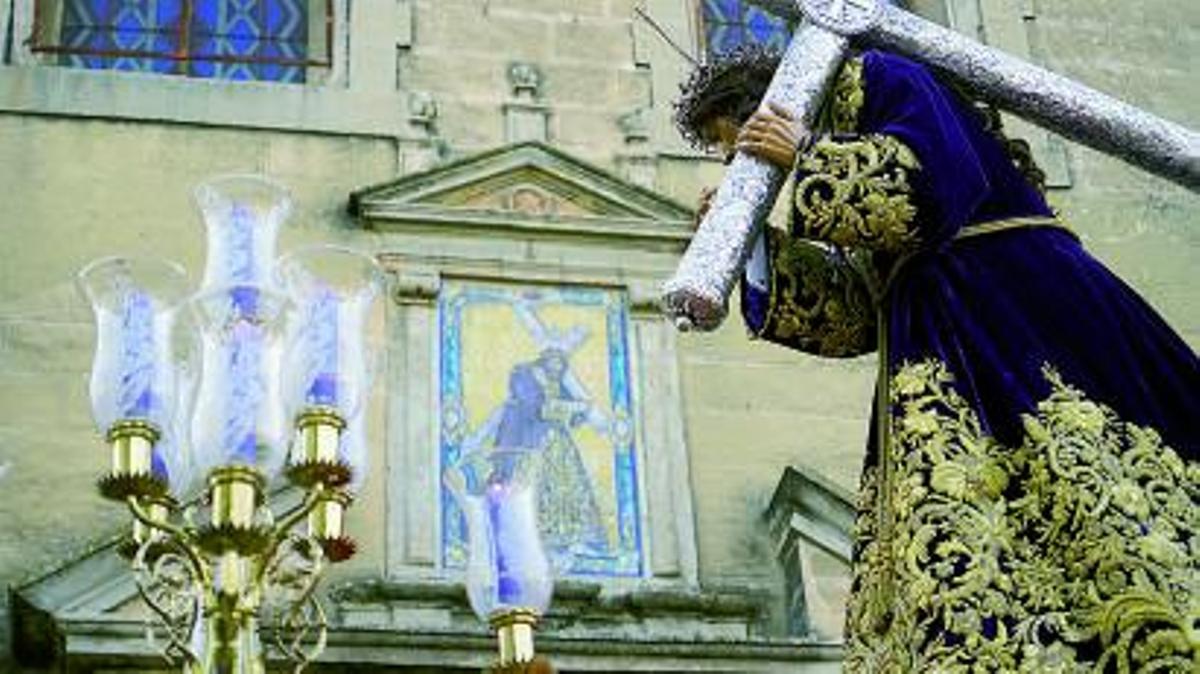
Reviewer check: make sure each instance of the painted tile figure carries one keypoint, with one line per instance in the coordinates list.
(545, 403)
(546, 371)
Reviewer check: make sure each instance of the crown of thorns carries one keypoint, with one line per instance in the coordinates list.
(730, 84)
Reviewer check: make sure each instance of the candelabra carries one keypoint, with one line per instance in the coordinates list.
(509, 577)
(204, 392)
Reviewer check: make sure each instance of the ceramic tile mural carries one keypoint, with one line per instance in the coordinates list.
(546, 369)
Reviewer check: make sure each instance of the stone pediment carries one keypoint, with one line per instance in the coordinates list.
(531, 187)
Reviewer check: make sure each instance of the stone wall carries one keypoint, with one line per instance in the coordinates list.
(1142, 226)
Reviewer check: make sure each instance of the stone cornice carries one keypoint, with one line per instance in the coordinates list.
(397, 217)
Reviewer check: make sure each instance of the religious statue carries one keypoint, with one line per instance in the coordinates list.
(1030, 499)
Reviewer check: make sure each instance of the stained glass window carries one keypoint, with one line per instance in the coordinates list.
(224, 39)
(730, 23)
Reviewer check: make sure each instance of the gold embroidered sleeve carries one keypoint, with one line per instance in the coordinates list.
(857, 193)
(818, 301)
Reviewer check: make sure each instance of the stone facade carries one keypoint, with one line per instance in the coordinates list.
(99, 162)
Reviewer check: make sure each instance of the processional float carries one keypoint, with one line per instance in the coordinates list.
(697, 296)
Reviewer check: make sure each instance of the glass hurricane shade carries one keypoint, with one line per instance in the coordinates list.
(134, 369)
(240, 315)
(328, 361)
(507, 567)
(242, 215)
(238, 418)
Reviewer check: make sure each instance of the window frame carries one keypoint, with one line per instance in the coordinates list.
(49, 12)
(702, 25)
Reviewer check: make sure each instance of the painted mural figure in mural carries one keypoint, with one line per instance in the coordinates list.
(1031, 494)
(544, 405)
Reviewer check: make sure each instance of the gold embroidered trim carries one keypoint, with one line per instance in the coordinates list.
(847, 97)
(1014, 223)
(817, 302)
(1078, 551)
(857, 193)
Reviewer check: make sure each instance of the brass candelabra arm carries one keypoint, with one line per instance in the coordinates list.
(282, 529)
(299, 621)
(304, 619)
(291, 567)
(181, 538)
(168, 583)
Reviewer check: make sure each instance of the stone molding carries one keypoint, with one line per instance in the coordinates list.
(606, 193)
(811, 516)
(83, 617)
(528, 213)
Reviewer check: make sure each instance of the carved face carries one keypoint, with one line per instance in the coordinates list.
(721, 133)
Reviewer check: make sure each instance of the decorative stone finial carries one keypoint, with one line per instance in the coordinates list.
(526, 80)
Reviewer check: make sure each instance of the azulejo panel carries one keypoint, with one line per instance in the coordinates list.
(545, 369)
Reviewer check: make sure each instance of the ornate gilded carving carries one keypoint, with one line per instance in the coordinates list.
(1077, 551)
(857, 193)
(818, 304)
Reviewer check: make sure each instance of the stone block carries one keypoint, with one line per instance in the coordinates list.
(483, 29)
(634, 88)
(809, 385)
(460, 75)
(579, 86)
(733, 474)
(554, 8)
(608, 42)
(587, 127)
(526, 122)
(471, 125)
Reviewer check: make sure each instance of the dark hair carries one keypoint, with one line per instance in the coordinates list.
(731, 84)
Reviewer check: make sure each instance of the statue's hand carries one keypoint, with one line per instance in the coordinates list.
(772, 134)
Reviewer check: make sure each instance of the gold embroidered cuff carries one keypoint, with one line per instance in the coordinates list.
(817, 302)
(857, 193)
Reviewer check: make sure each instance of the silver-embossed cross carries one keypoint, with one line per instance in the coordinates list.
(697, 296)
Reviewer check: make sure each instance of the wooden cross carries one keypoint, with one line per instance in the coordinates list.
(697, 296)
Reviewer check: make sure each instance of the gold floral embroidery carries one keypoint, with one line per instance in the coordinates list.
(1078, 551)
(817, 303)
(857, 193)
(847, 97)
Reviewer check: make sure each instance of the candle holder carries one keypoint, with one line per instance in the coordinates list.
(334, 289)
(509, 577)
(133, 387)
(167, 423)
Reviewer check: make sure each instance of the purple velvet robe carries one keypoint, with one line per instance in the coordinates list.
(1012, 524)
(996, 308)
